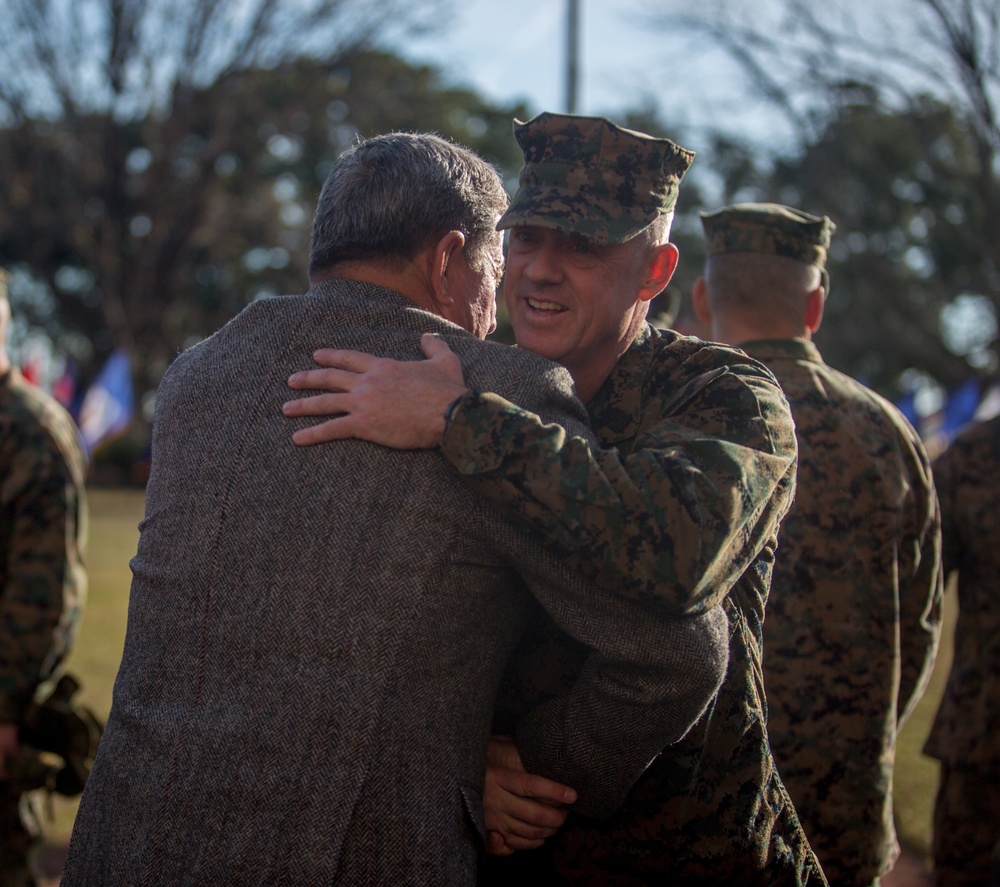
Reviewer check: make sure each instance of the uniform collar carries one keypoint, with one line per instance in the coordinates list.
(765, 350)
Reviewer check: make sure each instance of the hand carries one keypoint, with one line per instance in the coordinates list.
(521, 810)
(8, 746)
(399, 404)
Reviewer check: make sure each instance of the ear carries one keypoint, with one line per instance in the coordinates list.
(446, 249)
(699, 301)
(659, 270)
(815, 301)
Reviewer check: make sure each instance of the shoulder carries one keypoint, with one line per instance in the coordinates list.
(38, 433)
(528, 380)
(719, 384)
(973, 453)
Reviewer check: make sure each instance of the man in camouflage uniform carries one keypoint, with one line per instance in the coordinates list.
(42, 582)
(680, 507)
(965, 737)
(854, 613)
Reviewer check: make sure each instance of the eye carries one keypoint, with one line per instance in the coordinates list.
(583, 247)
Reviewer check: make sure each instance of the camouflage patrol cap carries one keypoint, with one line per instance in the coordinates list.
(588, 177)
(769, 228)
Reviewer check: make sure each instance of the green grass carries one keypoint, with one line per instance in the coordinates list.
(916, 775)
(113, 535)
(115, 515)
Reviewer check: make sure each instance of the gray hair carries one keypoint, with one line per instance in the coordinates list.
(390, 196)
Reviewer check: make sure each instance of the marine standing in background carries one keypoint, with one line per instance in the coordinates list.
(678, 506)
(965, 737)
(42, 580)
(853, 617)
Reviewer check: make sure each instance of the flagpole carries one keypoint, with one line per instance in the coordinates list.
(572, 53)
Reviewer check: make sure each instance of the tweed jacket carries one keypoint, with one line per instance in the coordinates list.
(316, 635)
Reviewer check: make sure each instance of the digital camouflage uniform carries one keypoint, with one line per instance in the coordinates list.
(854, 613)
(680, 507)
(966, 733)
(42, 581)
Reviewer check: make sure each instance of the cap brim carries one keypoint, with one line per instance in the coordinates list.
(572, 215)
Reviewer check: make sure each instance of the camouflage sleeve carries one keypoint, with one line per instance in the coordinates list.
(921, 584)
(677, 520)
(43, 572)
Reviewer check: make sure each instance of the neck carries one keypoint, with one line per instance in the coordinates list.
(589, 378)
(735, 332)
(593, 371)
(407, 280)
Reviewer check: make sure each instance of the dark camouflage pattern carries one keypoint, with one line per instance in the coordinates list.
(43, 529)
(854, 613)
(966, 732)
(681, 508)
(966, 837)
(587, 177)
(42, 580)
(769, 228)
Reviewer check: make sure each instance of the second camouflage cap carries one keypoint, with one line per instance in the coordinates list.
(770, 228)
(588, 177)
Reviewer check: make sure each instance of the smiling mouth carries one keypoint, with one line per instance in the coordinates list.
(539, 305)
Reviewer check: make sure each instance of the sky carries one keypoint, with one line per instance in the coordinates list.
(517, 50)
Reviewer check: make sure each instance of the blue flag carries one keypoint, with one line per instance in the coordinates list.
(107, 407)
(961, 407)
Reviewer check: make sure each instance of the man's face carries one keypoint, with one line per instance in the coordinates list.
(475, 305)
(574, 302)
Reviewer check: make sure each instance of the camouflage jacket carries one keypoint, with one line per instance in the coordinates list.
(43, 528)
(966, 731)
(682, 507)
(854, 613)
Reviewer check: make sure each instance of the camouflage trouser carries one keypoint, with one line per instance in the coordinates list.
(967, 828)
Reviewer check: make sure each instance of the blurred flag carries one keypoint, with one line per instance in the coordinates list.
(907, 405)
(961, 407)
(64, 386)
(31, 369)
(107, 407)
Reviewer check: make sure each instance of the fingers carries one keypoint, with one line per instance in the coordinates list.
(317, 405)
(537, 788)
(339, 358)
(433, 346)
(512, 809)
(340, 428)
(527, 817)
(496, 846)
(509, 774)
(501, 751)
(323, 380)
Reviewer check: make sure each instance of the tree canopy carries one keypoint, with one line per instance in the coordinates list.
(162, 158)
(894, 106)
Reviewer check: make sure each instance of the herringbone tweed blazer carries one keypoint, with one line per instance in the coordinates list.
(315, 636)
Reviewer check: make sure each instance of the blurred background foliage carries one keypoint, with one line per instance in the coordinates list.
(161, 159)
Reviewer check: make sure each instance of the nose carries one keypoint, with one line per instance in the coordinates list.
(543, 264)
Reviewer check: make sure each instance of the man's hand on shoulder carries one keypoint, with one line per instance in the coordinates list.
(399, 404)
(521, 810)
